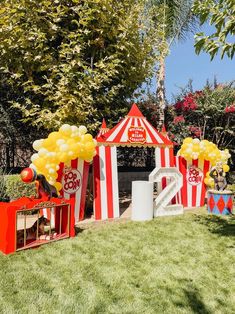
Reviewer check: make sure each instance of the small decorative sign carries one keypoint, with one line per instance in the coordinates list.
(137, 135)
(71, 180)
(194, 175)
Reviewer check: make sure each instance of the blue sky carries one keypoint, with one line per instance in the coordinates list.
(183, 64)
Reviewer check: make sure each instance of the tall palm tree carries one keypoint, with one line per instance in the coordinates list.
(172, 20)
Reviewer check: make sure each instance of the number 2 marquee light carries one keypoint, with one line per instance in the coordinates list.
(132, 131)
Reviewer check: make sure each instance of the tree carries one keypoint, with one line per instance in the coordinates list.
(73, 61)
(220, 14)
(171, 22)
(207, 114)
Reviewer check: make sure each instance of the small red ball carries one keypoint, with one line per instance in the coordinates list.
(28, 175)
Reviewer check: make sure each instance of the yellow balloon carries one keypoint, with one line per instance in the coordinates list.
(72, 155)
(48, 143)
(52, 157)
(89, 146)
(70, 141)
(53, 175)
(211, 182)
(54, 136)
(184, 146)
(58, 186)
(187, 140)
(63, 157)
(76, 137)
(196, 148)
(88, 137)
(39, 163)
(226, 168)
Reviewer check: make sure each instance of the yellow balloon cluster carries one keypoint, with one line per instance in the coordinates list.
(196, 149)
(69, 143)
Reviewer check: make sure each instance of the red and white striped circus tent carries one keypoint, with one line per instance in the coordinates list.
(135, 130)
(132, 131)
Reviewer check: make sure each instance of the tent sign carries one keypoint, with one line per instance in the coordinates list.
(136, 135)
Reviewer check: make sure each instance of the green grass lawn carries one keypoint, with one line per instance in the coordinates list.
(181, 264)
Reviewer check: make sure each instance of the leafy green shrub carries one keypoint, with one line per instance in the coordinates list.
(231, 177)
(3, 194)
(231, 187)
(15, 188)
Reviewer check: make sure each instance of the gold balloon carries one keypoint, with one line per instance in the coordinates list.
(226, 168)
(58, 186)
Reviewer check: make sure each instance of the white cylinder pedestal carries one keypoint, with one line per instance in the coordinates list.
(142, 200)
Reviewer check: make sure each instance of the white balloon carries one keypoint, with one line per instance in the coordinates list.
(195, 156)
(42, 152)
(196, 141)
(32, 166)
(65, 128)
(64, 147)
(74, 129)
(60, 142)
(37, 144)
(51, 171)
(75, 134)
(34, 157)
(82, 129)
(51, 154)
(188, 150)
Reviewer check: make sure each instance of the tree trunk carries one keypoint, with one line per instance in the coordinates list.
(161, 97)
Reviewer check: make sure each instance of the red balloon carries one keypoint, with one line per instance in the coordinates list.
(28, 175)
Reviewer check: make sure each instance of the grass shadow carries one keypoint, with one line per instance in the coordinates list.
(222, 225)
(195, 302)
(78, 230)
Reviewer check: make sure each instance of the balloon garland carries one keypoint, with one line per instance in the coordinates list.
(69, 143)
(193, 148)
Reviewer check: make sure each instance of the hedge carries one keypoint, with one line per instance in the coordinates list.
(11, 187)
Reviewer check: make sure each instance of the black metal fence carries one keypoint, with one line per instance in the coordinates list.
(14, 156)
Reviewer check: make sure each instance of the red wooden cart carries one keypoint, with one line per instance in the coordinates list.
(18, 217)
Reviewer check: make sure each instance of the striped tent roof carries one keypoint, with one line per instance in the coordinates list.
(102, 130)
(134, 130)
(164, 132)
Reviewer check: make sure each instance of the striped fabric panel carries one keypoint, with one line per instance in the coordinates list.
(106, 197)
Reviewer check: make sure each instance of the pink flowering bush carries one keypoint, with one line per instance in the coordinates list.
(178, 119)
(230, 108)
(206, 114)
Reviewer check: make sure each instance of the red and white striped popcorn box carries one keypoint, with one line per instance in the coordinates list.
(74, 178)
(193, 192)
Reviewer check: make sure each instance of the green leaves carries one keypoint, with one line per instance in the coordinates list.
(74, 61)
(222, 16)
